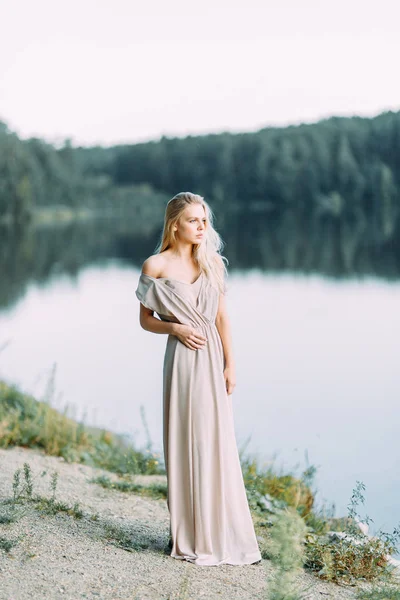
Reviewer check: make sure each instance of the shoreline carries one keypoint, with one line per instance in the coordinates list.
(62, 557)
(91, 520)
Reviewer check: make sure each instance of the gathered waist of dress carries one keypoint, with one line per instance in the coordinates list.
(202, 325)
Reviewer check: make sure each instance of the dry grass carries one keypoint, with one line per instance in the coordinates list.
(27, 422)
(24, 421)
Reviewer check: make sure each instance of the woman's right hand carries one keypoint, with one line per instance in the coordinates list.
(189, 336)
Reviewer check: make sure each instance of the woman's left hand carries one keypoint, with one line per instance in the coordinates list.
(230, 379)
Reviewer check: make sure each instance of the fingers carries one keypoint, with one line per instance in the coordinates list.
(198, 344)
(194, 343)
(199, 338)
(229, 387)
(190, 344)
(191, 347)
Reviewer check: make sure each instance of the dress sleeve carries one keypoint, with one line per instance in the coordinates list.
(148, 294)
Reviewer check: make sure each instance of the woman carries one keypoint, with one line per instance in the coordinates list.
(184, 283)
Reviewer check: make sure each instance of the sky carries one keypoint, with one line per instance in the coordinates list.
(116, 71)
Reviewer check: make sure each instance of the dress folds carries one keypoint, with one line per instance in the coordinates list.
(210, 519)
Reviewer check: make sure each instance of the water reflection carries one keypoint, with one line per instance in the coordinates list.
(316, 369)
(272, 242)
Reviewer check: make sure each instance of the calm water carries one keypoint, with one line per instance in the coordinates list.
(316, 359)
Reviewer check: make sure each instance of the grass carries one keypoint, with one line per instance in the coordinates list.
(6, 544)
(286, 552)
(25, 421)
(23, 495)
(14, 508)
(352, 556)
(133, 538)
(286, 489)
(342, 559)
(384, 592)
(154, 490)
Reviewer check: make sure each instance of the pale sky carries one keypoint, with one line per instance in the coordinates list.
(112, 71)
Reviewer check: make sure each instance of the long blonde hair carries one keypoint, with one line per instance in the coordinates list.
(207, 254)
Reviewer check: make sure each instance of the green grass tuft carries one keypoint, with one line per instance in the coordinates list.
(27, 422)
(383, 592)
(154, 490)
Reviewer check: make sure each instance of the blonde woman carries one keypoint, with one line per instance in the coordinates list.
(184, 283)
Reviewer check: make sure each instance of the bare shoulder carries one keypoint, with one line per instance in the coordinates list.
(154, 265)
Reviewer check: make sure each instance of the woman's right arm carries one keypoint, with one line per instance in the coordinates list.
(151, 323)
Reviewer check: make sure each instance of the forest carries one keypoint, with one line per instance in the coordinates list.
(314, 198)
(341, 168)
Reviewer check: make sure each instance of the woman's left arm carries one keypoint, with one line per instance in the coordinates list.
(224, 329)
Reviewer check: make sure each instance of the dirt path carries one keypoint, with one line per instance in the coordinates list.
(63, 557)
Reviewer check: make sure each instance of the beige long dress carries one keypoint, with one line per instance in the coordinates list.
(210, 520)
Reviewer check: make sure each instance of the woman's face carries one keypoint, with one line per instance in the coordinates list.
(191, 226)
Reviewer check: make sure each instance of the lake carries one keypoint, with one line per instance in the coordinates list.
(317, 360)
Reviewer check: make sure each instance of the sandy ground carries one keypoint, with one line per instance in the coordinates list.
(63, 557)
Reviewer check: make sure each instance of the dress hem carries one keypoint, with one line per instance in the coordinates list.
(252, 559)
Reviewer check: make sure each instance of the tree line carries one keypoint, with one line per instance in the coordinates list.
(338, 168)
